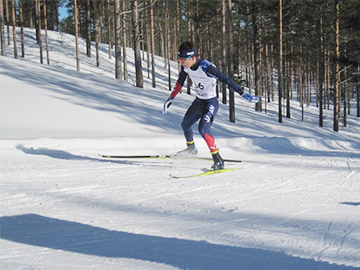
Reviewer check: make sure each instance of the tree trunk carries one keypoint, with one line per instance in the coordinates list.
(88, 28)
(46, 34)
(321, 71)
(346, 94)
(269, 75)
(289, 85)
(358, 93)
(118, 71)
(109, 28)
(258, 106)
(21, 27)
(291, 73)
(223, 47)
(197, 27)
(146, 25)
(38, 19)
(124, 39)
(301, 83)
(167, 42)
(308, 88)
(7, 20)
(280, 62)
(97, 35)
(76, 35)
(327, 88)
(337, 73)
(177, 33)
(136, 39)
(13, 7)
(247, 57)
(255, 52)
(3, 44)
(230, 60)
(152, 38)
(190, 31)
(288, 107)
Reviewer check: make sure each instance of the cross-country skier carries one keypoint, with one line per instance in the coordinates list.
(204, 76)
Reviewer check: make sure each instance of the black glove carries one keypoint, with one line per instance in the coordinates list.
(167, 104)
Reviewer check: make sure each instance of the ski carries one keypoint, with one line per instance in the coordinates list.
(137, 156)
(204, 173)
(163, 157)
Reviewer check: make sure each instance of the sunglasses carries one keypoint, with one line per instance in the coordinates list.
(183, 60)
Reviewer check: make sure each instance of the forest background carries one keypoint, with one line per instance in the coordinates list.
(280, 50)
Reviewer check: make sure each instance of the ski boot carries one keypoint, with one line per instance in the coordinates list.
(189, 151)
(218, 161)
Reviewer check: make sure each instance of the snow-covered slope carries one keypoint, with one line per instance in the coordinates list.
(294, 203)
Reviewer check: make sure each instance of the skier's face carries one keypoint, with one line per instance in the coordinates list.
(187, 62)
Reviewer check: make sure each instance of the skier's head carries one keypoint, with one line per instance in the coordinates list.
(187, 54)
(186, 50)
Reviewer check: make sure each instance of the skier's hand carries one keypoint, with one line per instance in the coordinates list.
(167, 104)
(250, 98)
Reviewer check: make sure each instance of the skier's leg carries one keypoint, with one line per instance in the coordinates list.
(206, 121)
(204, 129)
(192, 115)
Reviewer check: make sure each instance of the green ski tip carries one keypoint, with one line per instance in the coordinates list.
(204, 173)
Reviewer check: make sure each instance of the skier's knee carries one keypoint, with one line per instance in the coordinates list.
(202, 130)
(184, 126)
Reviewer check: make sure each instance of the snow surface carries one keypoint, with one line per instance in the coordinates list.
(294, 204)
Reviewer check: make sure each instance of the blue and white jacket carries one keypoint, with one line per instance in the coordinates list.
(204, 75)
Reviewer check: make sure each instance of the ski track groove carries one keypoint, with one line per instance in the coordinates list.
(325, 245)
(347, 233)
(326, 198)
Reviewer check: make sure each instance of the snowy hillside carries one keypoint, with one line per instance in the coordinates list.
(293, 204)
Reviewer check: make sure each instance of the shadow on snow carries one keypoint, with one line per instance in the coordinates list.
(60, 154)
(41, 231)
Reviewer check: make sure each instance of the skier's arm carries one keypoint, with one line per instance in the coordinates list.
(224, 78)
(179, 84)
(212, 70)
